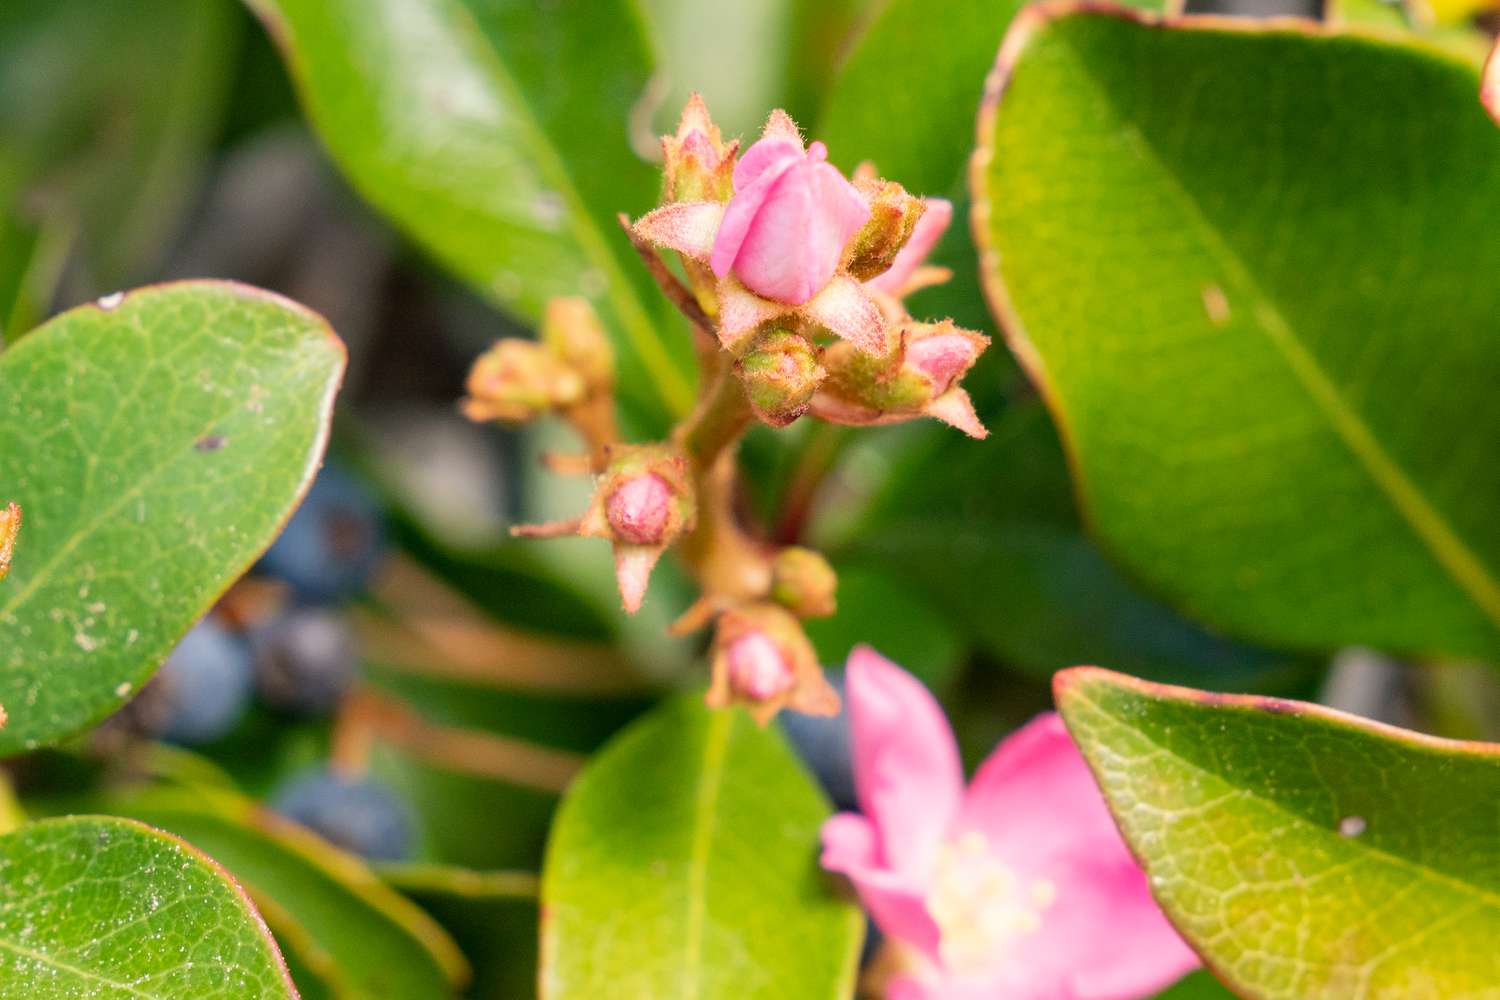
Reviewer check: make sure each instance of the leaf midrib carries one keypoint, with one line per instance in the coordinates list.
(1461, 563)
(705, 810)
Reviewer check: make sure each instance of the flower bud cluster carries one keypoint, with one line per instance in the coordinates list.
(800, 275)
(519, 380)
(802, 272)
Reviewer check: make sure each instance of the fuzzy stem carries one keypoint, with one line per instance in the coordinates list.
(727, 561)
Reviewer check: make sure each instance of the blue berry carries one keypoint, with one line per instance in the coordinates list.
(357, 814)
(306, 659)
(332, 544)
(203, 687)
(823, 745)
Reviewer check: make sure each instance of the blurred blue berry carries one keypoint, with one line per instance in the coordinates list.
(202, 689)
(306, 660)
(332, 544)
(823, 745)
(359, 815)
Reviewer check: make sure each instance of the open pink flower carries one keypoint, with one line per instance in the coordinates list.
(929, 229)
(1019, 888)
(792, 212)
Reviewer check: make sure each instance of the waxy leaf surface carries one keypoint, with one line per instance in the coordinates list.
(1255, 302)
(346, 932)
(683, 864)
(498, 133)
(156, 443)
(109, 909)
(1306, 854)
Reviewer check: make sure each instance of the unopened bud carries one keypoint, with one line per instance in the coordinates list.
(918, 378)
(804, 583)
(756, 667)
(10, 527)
(699, 165)
(780, 375)
(571, 329)
(519, 380)
(763, 660)
(942, 356)
(893, 217)
(644, 502)
(638, 510)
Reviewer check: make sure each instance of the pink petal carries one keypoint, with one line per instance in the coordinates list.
(689, 227)
(742, 211)
(847, 310)
(929, 229)
(895, 902)
(906, 768)
(765, 153)
(779, 257)
(1103, 937)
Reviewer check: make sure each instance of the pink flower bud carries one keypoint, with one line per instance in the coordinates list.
(942, 358)
(698, 163)
(784, 231)
(757, 670)
(764, 660)
(639, 508)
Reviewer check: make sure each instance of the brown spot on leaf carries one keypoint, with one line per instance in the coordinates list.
(211, 442)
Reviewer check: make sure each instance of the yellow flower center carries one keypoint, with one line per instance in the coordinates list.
(980, 906)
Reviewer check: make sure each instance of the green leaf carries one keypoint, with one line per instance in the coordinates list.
(987, 532)
(683, 863)
(492, 915)
(108, 111)
(1306, 854)
(353, 934)
(1275, 381)
(156, 442)
(497, 133)
(107, 908)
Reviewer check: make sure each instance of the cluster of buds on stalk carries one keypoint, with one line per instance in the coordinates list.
(10, 527)
(795, 278)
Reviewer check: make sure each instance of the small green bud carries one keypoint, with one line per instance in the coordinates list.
(780, 374)
(893, 217)
(804, 583)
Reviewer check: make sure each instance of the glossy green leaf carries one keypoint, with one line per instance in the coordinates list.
(988, 533)
(108, 109)
(348, 931)
(683, 863)
(497, 132)
(110, 909)
(1274, 380)
(492, 915)
(1306, 854)
(156, 442)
